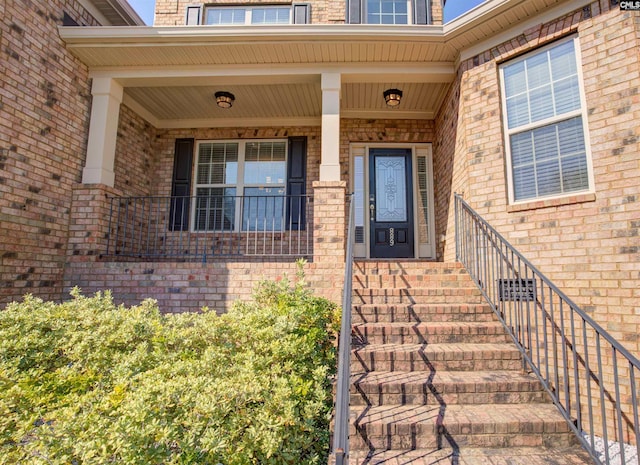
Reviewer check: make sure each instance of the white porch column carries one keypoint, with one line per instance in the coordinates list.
(103, 130)
(330, 148)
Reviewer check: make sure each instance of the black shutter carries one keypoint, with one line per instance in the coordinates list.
(193, 15)
(296, 183)
(354, 11)
(181, 185)
(301, 13)
(421, 8)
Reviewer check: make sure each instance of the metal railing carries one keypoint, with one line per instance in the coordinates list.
(591, 377)
(341, 427)
(200, 227)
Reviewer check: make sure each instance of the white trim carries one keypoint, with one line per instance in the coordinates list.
(93, 11)
(582, 112)
(238, 122)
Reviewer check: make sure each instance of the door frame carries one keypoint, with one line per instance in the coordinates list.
(359, 184)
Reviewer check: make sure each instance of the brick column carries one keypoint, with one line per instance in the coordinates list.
(329, 239)
(89, 221)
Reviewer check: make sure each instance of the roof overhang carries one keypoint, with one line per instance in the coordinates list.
(113, 12)
(170, 73)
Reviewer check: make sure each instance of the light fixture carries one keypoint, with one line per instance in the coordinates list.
(224, 99)
(392, 97)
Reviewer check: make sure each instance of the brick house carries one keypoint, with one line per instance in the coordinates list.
(119, 169)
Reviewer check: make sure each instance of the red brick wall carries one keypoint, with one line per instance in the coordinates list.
(44, 111)
(588, 245)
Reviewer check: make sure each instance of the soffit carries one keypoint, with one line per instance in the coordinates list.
(171, 73)
(116, 12)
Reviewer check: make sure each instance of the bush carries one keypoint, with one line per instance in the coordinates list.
(88, 382)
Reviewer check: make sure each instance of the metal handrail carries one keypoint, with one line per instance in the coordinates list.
(341, 428)
(203, 226)
(587, 372)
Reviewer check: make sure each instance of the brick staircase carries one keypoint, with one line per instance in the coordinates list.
(436, 379)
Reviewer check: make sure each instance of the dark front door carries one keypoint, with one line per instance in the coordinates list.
(390, 203)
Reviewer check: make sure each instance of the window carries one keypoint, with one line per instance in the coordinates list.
(240, 185)
(387, 11)
(248, 15)
(545, 124)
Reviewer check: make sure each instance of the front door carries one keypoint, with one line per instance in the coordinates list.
(390, 203)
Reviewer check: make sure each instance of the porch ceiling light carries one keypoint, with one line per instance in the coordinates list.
(224, 99)
(392, 97)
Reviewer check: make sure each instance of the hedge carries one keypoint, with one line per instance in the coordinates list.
(89, 382)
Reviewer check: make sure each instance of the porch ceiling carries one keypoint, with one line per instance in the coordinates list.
(171, 73)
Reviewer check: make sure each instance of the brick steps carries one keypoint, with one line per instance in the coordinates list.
(435, 357)
(472, 456)
(430, 332)
(410, 313)
(448, 387)
(418, 295)
(436, 379)
(426, 427)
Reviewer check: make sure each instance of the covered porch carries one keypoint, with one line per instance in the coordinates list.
(174, 181)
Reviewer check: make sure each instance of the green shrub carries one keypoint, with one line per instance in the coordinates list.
(88, 382)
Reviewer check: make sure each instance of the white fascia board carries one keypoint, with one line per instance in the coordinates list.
(93, 11)
(117, 35)
(276, 74)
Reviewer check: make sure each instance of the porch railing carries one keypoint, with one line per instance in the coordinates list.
(201, 227)
(590, 376)
(341, 428)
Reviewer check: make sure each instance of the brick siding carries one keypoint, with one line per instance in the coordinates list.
(44, 113)
(587, 244)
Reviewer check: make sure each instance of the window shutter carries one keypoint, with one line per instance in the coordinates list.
(301, 13)
(193, 15)
(421, 11)
(354, 10)
(296, 183)
(181, 185)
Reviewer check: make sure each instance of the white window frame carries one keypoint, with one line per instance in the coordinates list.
(240, 181)
(581, 112)
(410, 14)
(248, 16)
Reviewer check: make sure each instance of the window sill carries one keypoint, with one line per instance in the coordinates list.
(547, 203)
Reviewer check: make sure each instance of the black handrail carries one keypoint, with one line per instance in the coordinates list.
(203, 226)
(341, 428)
(583, 367)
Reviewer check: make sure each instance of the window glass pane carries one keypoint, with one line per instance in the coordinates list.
(563, 61)
(222, 16)
(265, 163)
(514, 79)
(538, 71)
(545, 141)
(566, 95)
(575, 175)
(541, 103)
(518, 111)
(521, 148)
(548, 176)
(387, 12)
(524, 182)
(549, 160)
(263, 209)
(215, 209)
(217, 163)
(270, 15)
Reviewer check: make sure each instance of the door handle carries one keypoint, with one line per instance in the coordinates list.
(372, 210)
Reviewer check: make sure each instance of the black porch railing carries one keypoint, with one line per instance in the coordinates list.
(201, 227)
(591, 377)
